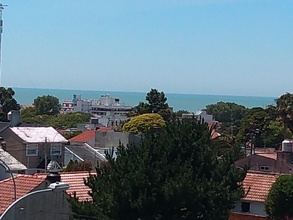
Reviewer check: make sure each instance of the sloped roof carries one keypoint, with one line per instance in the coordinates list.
(24, 184)
(257, 186)
(84, 136)
(38, 134)
(10, 161)
(76, 184)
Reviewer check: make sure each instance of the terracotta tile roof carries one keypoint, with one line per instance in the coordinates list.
(105, 129)
(84, 136)
(24, 184)
(268, 155)
(76, 184)
(240, 216)
(257, 186)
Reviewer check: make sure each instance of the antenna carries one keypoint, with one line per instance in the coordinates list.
(1, 30)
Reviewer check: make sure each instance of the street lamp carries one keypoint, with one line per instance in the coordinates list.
(53, 187)
(12, 177)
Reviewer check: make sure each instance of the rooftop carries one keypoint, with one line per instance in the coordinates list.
(24, 184)
(38, 134)
(257, 186)
(10, 161)
(84, 136)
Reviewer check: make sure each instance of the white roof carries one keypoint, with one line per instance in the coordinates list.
(10, 161)
(38, 134)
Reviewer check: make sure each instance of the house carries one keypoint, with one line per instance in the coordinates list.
(201, 115)
(34, 147)
(56, 208)
(81, 148)
(268, 162)
(251, 206)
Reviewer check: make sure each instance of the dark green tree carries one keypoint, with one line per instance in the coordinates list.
(47, 105)
(7, 102)
(284, 110)
(175, 173)
(279, 202)
(156, 103)
(229, 114)
(226, 111)
(156, 100)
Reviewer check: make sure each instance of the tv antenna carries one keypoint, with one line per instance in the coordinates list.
(1, 30)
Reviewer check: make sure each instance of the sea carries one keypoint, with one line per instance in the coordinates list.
(189, 102)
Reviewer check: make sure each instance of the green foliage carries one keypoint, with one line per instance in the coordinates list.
(226, 111)
(270, 132)
(69, 120)
(175, 173)
(156, 103)
(284, 110)
(179, 113)
(143, 123)
(78, 166)
(47, 105)
(279, 202)
(7, 102)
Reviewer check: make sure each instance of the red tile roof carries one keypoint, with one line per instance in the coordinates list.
(240, 216)
(24, 184)
(105, 129)
(268, 155)
(257, 186)
(84, 136)
(76, 184)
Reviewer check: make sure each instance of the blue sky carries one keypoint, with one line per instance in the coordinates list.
(226, 47)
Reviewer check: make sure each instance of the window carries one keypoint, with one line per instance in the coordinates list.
(32, 150)
(56, 149)
(245, 207)
(264, 168)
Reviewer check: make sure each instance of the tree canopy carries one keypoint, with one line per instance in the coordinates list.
(7, 102)
(279, 202)
(143, 123)
(156, 103)
(175, 173)
(47, 105)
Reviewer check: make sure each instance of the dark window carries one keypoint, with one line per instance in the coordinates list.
(245, 206)
(264, 168)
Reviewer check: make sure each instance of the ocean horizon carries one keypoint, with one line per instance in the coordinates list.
(189, 102)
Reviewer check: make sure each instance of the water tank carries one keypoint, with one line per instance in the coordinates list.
(287, 145)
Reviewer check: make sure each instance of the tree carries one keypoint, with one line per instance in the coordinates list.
(156, 103)
(279, 202)
(142, 123)
(284, 110)
(47, 105)
(78, 166)
(7, 102)
(226, 111)
(175, 173)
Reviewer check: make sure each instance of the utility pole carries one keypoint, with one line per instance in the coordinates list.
(46, 155)
(1, 30)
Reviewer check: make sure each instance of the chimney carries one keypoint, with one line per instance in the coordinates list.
(53, 177)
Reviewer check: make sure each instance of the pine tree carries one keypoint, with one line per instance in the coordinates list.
(175, 173)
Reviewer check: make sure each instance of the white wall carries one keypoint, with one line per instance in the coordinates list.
(256, 208)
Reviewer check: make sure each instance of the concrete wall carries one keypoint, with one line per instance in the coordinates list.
(111, 139)
(256, 208)
(43, 205)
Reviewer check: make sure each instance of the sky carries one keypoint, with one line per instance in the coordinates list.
(225, 47)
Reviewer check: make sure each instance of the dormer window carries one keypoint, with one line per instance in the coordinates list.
(264, 168)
